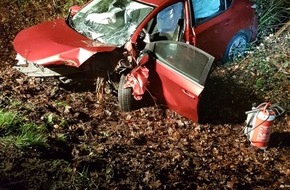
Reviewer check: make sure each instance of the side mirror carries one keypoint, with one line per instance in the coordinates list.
(146, 54)
(74, 10)
(145, 57)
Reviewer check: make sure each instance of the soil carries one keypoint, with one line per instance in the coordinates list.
(149, 148)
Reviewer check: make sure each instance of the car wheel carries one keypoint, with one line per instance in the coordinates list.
(125, 98)
(236, 48)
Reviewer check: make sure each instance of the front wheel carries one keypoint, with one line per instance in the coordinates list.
(125, 97)
(236, 48)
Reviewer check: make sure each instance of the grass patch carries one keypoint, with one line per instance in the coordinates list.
(9, 122)
(14, 130)
(31, 135)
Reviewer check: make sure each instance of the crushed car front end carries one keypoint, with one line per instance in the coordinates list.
(58, 47)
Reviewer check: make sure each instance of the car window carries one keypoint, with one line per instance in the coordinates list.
(206, 9)
(225, 4)
(186, 59)
(110, 21)
(167, 24)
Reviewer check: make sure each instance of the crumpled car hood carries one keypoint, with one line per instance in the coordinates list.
(55, 43)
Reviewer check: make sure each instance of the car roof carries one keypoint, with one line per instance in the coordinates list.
(157, 3)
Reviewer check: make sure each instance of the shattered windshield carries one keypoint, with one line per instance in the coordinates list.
(110, 21)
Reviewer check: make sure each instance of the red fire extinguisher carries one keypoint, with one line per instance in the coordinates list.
(259, 124)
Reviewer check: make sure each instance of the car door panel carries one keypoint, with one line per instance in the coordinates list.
(219, 29)
(177, 92)
(177, 76)
(213, 32)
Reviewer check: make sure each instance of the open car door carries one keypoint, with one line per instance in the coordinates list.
(177, 75)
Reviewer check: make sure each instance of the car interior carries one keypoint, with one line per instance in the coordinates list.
(155, 34)
(177, 35)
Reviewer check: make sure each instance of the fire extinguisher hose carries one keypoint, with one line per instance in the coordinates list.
(263, 107)
(259, 110)
(277, 109)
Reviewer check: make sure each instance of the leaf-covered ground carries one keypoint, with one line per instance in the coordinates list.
(93, 145)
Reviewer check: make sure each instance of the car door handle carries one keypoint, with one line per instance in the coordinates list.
(227, 22)
(189, 94)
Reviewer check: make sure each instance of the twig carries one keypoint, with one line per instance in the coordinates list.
(284, 27)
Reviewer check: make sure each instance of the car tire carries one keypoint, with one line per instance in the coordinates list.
(125, 97)
(236, 48)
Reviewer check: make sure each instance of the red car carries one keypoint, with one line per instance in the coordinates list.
(144, 47)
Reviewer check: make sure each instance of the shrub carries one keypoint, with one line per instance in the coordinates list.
(272, 14)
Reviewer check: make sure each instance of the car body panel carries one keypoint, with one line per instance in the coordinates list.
(220, 29)
(180, 77)
(215, 33)
(157, 3)
(177, 93)
(60, 44)
(55, 43)
(175, 79)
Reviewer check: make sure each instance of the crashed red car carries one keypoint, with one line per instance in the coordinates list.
(164, 48)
